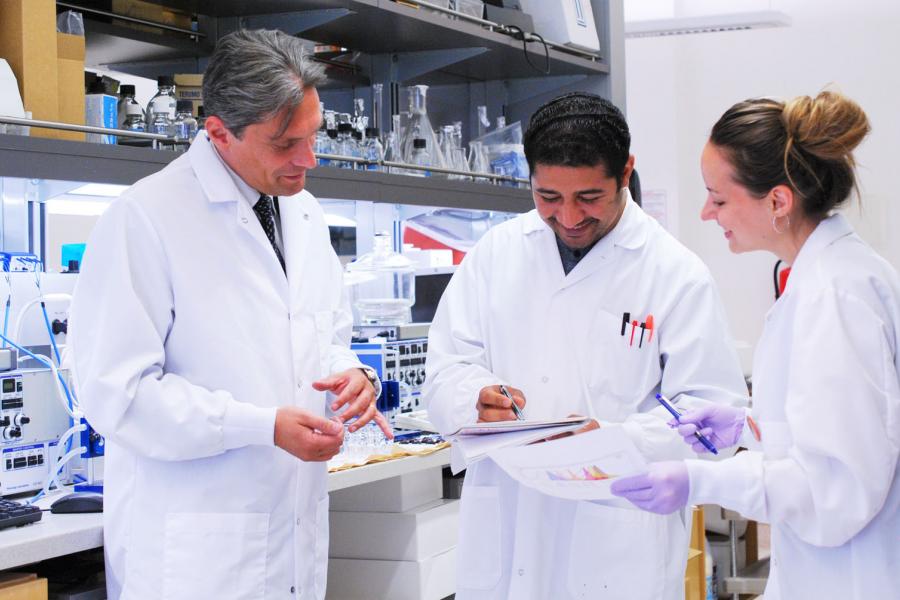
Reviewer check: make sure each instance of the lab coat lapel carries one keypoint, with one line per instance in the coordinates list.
(219, 187)
(295, 229)
(630, 232)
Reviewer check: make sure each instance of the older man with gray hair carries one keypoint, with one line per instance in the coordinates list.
(207, 324)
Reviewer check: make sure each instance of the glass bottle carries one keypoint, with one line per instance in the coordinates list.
(134, 118)
(201, 118)
(373, 150)
(184, 129)
(345, 145)
(126, 98)
(382, 284)
(161, 109)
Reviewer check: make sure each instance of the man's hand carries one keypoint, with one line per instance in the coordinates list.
(307, 436)
(354, 390)
(494, 406)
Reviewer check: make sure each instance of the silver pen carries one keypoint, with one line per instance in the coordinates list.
(515, 407)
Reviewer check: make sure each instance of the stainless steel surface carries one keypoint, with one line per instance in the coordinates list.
(113, 15)
(84, 128)
(399, 165)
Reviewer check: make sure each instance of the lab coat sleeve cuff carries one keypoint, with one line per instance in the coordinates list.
(725, 482)
(635, 432)
(248, 425)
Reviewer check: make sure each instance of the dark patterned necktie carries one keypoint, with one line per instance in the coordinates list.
(265, 212)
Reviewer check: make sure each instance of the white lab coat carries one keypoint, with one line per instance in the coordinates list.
(186, 336)
(511, 315)
(826, 397)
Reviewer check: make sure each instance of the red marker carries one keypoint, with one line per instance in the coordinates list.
(649, 323)
(634, 325)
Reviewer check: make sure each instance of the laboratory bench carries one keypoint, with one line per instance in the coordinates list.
(58, 535)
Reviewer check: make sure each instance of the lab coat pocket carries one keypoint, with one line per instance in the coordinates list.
(215, 555)
(479, 550)
(616, 553)
(619, 366)
(324, 320)
(321, 566)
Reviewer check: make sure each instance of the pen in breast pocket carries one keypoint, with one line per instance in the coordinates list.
(703, 439)
(515, 407)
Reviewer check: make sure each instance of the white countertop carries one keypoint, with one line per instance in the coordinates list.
(58, 535)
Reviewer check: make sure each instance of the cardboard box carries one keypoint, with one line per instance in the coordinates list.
(100, 111)
(28, 43)
(22, 586)
(416, 534)
(431, 579)
(150, 11)
(189, 86)
(70, 76)
(395, 494)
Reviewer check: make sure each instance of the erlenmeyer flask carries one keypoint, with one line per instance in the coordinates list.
(419, 127)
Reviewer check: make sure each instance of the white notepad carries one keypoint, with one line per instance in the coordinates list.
(473, 442)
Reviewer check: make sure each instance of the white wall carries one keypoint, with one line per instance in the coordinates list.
(678, 86)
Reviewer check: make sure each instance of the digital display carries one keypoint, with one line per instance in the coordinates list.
(9, 386)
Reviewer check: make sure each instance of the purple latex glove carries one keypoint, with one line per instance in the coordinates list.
(662, 489)
(721, 424)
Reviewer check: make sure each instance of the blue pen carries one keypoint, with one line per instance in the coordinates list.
(703, 439)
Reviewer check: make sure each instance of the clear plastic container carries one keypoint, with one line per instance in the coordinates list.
(382, 285)
(473, 8)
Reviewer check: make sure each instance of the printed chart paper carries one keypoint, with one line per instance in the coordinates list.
(580, 467)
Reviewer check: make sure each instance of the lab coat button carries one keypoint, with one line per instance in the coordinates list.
(244, 220)
(298, 521)
(305, 217)
(299, 385)
(292, 589)
(521, 572)
(545, 379)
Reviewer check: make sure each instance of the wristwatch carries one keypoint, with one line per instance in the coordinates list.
(372, 376)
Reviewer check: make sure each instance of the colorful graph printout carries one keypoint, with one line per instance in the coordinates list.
(580, 467)
(589, 473)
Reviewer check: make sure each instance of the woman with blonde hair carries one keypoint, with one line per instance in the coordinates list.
(824, 430)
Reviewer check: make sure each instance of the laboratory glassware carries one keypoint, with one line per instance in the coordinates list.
(382, 285)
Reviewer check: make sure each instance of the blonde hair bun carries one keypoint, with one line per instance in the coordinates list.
(829, 126)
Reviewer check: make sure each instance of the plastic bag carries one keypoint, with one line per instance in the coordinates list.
(70, 22)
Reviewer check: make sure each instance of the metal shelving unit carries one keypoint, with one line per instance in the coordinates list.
(39, 158)
(372, 27)
(393, 43)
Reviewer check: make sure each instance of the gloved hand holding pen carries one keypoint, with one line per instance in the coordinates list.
(721, 424)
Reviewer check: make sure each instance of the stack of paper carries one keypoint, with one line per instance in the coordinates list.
(473, 442)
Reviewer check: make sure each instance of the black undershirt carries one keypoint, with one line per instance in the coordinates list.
(571, 256)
